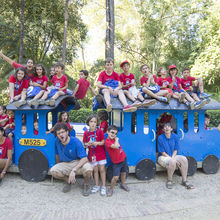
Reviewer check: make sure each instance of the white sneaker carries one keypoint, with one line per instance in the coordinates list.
(95, 189)
(103, 191)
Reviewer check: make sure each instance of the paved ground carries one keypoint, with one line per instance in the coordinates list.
(23, 200)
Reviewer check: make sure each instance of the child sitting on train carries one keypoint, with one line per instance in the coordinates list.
(18, 85)
(64, 118)
(52, 72)
(103, 118)
(192, 90)
(82, 85)
(129, 87)
(3, 117)
(109, 84)
(10, 127)
(175, 85)
(36, 127)
(150, 87)
(38, 85)
(118, 158)
(94, 139)
(60, 85)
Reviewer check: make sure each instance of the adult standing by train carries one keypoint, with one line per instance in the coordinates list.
(5, 153)
(168, 147)
(71, 159)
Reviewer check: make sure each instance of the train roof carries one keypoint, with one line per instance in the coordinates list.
(173, 105)
(66, 101)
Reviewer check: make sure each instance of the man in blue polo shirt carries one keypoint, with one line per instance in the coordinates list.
(71, 159)
(168, 147)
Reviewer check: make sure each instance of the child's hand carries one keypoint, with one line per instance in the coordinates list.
(190, 89)
(72, 178)
(116, 139)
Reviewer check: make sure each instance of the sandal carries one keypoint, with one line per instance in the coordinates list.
(169, 184)
(110, 192)
(125, 187)
(188, 185)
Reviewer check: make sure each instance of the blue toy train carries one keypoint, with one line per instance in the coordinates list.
(35, 154)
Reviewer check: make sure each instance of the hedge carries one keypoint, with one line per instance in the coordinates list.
(80, 116)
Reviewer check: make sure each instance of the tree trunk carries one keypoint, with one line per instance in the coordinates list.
(110, 29)
(21, 33)
(65, 32)
(83, 56)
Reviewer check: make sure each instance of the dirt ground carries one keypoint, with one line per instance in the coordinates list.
(23, 200)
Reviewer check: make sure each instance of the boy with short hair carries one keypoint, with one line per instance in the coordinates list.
(118, 158)
(147, 80)
(109, 84)
(82, 85)
(129, 87)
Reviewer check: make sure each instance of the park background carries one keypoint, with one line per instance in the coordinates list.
(81, 33)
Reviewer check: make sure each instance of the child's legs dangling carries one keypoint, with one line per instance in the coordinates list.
(128, 94)
(162, 93)
(45, 95)
(188, 97)
(40, 94)
(58, 94)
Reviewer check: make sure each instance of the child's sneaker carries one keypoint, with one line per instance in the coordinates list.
(103, 191)
(109, 192)
(95, 189)
(162, 99)
(148, 102)
(35, 102)
(136, 104)
(19, 103)
(182, 97)
(50, 102)
(41, 102)
(207, 100)
(190, 105)
(129, 108)
(200, 104)
(168, 97)
(204, 95)
(29, 103)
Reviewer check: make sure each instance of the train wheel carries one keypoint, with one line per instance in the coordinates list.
(145, 169)
(109, 173)
(192, 166)
(33, 165)
(210, 164)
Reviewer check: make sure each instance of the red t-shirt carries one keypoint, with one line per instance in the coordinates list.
(104, 125)
(3, 117)
(99, 149)
(126, 79)
(59, 82)
(83, 87)
(18, 85)
(186, 83)
(116, 155)
(41, 80)
(103, 77)
(7, 145)
(11, 122)
(144, 79)
(176, 85)
(35, 132)
(163, 82)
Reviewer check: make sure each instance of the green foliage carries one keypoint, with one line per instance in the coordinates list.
(80, 115)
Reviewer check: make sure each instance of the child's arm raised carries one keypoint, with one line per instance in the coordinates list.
(7, 59)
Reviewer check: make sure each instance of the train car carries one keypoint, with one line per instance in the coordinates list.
(35, 154)
(200, 146)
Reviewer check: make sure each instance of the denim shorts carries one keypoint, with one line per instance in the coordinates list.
(120, 167)
(179, 91)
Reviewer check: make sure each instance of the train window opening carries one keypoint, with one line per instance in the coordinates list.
(36, 125)
(23, 125)
(185, 122)
(118, 119)
(133, 122)
(164, 118)
(196, 122)
(146, 123)
(49, 120)
(212, 121)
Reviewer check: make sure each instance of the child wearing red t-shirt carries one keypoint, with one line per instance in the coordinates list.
(39, 83)
(36, 127)
(3, 117)
(129, 87)
(18, 85)
(10, 127)
(93, 138)
(5, 153)
(60, 85)
(109, 84)
(103, 117)
(147, 80)
(82, 86)
(118, 158)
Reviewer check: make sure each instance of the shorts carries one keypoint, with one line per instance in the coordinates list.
(9, 130)
(65, 168)
(101, 162)
(179, 91)
(100, 92)
(164, 161)
(120, 167)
